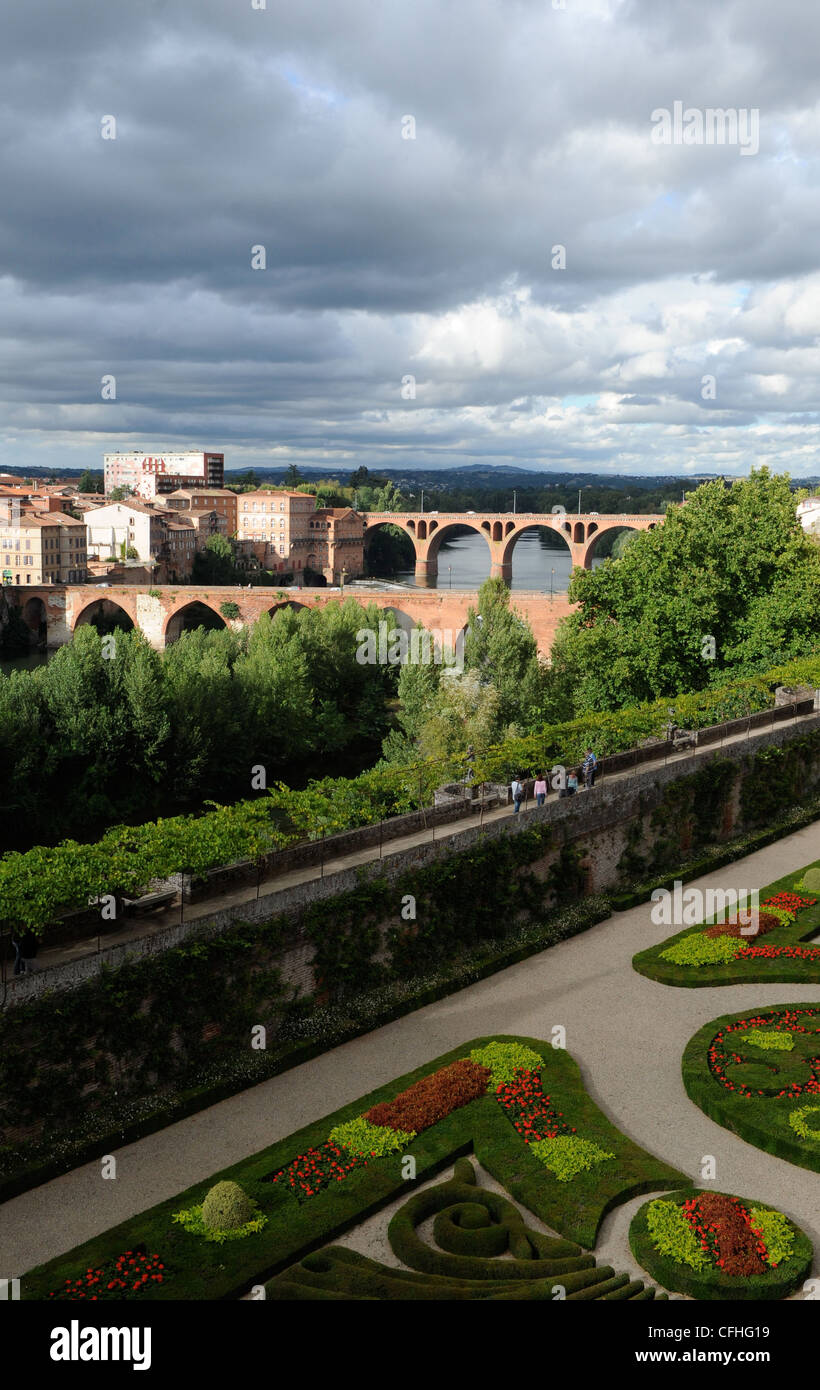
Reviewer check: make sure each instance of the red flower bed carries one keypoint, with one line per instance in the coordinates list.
(532, 1113)
(792, 902)
(765, 922)
(126, 1276)
(771, 952)
(720, 1053)
(724, 1227)
(318, 1168)
(427, 1101)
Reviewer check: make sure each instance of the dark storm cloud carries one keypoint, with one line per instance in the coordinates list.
(281, 127)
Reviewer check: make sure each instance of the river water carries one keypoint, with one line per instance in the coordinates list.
(464, 563)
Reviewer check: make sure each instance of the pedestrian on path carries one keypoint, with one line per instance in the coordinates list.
(540, 790)
(572, 783)
(517, 791)
(16, 942)
(590, 767)
(28, 951)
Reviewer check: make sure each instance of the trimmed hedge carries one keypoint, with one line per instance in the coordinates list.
(294, 1229)
(713, 1283)
(760, 1120)
(736, 972)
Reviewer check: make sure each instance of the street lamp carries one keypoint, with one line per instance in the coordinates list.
(450, 573)
(514, 503)
(552, 581)
(342, 584)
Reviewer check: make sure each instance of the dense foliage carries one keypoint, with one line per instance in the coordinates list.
(101, 734)
(728, 585)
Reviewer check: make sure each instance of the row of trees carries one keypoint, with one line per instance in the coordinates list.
(114, 731)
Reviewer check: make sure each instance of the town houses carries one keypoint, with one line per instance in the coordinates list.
(155, 513)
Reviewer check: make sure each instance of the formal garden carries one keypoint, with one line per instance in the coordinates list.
(515, 1106)
(742, 943)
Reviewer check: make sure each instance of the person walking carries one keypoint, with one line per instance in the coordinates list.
(16, 942)
(28, 951)
(540, 790)
(590, 768)
(517, 791)
(572, 783)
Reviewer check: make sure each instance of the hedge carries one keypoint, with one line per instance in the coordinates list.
(736, 972)
(760, 1120)
(713, 1283)
(293, 1229)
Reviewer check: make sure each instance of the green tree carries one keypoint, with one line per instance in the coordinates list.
(87, 483)
(501, 648)
(729, 584)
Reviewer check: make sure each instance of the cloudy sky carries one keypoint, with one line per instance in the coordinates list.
(681, 335)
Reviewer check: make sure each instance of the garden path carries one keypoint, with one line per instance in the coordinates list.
(626, 1032)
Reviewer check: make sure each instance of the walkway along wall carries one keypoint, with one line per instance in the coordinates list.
(88, 1047)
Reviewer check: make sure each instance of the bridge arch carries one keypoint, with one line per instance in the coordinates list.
(285, 604)
(450, 530)
(561, 547)
(605, 537)
(185, 618)
(381, 557)
(34, 614)
(106, 615)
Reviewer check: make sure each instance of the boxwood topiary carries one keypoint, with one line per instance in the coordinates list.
(226, 1207)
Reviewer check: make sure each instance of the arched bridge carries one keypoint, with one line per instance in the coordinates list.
(581, 534)
(56, 611)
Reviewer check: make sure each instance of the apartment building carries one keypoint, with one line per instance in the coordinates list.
(202, 501)
(150, 475)
(119, 527)
(42, 548)
(275, 522)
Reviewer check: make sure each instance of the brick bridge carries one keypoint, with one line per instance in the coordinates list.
(160, 612)
(427, 530)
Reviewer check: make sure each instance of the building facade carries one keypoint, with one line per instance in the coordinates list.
(42, 548)
(150, 475)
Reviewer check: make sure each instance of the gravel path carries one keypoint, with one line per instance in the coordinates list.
(626, 1032)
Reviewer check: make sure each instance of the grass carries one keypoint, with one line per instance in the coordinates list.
(780, 971)
(196, 1270)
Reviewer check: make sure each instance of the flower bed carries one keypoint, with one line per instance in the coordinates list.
(726, 952)
(126, 1276)
(435, 1096)
(321, 1187)
(712, 1245)
(759, 1075)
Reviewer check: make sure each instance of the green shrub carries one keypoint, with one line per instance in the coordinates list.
(778, 1042)
(504, 1060)
(798, 1121)
(810, 881)
(361, 1137)
(673, 1236)
(226, 1207)
(227, 1213)
(699, 949)
(568, 1155)
(776, 1232)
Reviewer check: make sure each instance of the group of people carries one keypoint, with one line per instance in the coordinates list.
(586, 771)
